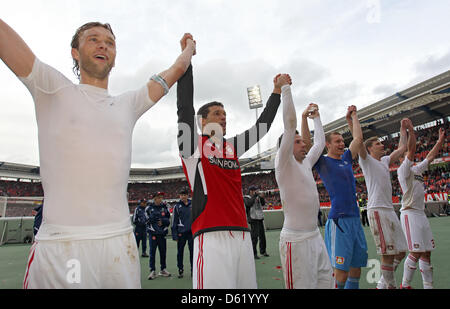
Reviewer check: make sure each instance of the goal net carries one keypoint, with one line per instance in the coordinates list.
(17, 218)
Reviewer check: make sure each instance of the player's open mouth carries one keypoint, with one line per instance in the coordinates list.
(101, 57)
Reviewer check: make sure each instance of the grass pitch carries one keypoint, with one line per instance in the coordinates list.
(13, 259)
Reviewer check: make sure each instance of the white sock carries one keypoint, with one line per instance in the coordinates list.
(409, 269)
(396, 262)
(381, 285)
(387, 270)
(427, 273)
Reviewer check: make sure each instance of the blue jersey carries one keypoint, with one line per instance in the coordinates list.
(337, 176)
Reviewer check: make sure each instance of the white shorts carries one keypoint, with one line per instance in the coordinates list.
(223, 260)
(109, 263)
(386, 231)
(417, 231)
(305, 261)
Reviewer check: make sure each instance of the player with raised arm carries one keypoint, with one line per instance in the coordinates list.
(384, 223)
(86, 238)
(223, 252)
(304, 257)
(414, 222)
(344, 235)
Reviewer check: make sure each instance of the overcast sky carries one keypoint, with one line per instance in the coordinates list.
(338, 53)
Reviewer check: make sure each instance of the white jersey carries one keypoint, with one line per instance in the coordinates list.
(411, 182)
(298, 189)
(378, 181)
(85, 138)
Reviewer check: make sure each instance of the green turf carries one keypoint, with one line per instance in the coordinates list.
(13, 260)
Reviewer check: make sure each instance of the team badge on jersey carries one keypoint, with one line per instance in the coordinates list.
(229, 150)
(340, 260)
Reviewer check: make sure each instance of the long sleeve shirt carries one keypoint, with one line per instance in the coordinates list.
(298, 190)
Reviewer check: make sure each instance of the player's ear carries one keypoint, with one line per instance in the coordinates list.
(75, 54)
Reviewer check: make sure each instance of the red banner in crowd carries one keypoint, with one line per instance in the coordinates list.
(429, 197)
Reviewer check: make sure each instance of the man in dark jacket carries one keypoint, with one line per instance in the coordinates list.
(158, 226)
(140, 222)
(37, 217)
(254, 205)
(181, 229)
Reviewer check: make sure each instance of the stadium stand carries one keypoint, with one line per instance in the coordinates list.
(437, 179)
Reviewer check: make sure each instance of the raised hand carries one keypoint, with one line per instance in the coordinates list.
(186, 40)
(282, 79)
(350, 110)
(441, 134)
(311, 111)
(405, 123)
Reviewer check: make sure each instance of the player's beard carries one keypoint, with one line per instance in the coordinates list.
(96, 70)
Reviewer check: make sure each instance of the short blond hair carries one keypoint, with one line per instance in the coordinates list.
(328, 136)
(369, 142)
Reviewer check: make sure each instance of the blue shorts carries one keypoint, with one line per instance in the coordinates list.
(346, 243)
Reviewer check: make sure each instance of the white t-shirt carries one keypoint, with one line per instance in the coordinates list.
(85, 138)
(378, 181)
(298, 190)
(411, 182)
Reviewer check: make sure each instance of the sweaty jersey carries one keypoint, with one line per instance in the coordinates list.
(378, 181)
(85, 137)
(298, 190)
(338, 179)
(212, 169)
(412, 184)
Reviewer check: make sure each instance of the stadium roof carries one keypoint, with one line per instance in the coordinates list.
(422, 103)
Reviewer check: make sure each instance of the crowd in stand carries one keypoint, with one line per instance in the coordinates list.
(20, 188)
(437, 179)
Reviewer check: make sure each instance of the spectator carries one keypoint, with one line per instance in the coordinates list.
(140, 222)
(38, 217)
(255, 216)
(181, 229)
(158, 226)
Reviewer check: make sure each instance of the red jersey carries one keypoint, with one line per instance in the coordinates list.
(215, 180)
(213, 173)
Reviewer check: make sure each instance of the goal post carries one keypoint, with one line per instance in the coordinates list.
(3, 201)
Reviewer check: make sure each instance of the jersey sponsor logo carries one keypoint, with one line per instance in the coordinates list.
(343, 164)
(340, 260)
(419, 178)
(228, 164)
